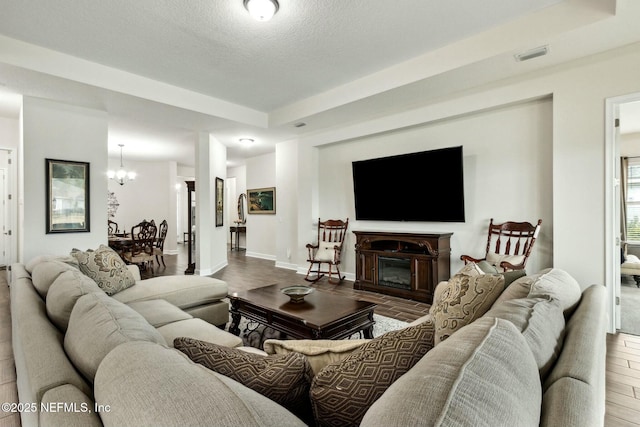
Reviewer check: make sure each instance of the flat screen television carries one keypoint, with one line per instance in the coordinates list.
(424, 186)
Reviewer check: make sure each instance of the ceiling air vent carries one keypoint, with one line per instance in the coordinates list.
(533, 53)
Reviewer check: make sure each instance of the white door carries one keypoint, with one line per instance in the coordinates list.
(613, 204)
(5, 217)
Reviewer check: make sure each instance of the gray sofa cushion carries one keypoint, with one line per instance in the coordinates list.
(520, 287)
(574, 391)
(79, 412)
(483, 375)
(41, 362)
(67, 259)
(182, 291)
(149, 385)
(46, 272)
(63, 294)
(540, 321)
(158, 312)
(97, 325)
(559, 285)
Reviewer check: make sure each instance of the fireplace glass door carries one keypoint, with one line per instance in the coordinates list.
(394, 272)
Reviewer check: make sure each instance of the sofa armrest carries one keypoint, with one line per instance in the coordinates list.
(135, 271)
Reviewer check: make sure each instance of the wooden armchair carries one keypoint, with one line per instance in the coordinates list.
(508, 245)
(328, 250)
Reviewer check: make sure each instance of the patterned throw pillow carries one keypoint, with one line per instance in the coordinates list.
(283, 378)
(106, 268)
(465, 297)
(342, 392)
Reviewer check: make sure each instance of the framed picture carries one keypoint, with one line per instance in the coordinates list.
(67, 203)
(219, 202)
(262, 200)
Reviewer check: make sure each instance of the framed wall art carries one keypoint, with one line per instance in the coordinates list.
(67, 204)
(262, 200)
(219, 202)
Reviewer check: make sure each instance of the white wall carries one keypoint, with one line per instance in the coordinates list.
(152, 195)
(64, 132)
(579, 90)
(9, 133)
(211, 243)
(507, 168)
(261, 228)
(287, 183)
(630, 144)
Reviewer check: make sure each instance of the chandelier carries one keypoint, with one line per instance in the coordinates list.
(121, 175)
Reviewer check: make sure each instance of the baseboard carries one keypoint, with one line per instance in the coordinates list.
(347, 276)
(212, 270)
(287, 265)
(261, 256)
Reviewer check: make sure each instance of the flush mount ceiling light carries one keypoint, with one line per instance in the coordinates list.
(262, 10)
(533, 53)
(121, 176)
(247, 142)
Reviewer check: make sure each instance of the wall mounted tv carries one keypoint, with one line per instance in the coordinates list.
(424, 186)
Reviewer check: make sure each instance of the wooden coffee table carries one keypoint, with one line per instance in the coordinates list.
(321, 315)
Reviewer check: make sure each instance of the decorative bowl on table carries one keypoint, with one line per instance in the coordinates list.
(297, 293)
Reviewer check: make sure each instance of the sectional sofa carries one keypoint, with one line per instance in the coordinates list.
(534, 354)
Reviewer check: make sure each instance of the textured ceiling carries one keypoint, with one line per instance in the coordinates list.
(214, 47)
(167, 70)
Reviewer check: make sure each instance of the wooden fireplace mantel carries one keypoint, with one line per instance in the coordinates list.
(427, 255)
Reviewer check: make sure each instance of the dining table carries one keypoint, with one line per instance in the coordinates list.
(120, 242)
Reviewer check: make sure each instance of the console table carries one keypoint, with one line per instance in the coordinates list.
(407, 265)
(237, 229)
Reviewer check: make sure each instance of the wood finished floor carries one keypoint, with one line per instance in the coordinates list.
(623, 351)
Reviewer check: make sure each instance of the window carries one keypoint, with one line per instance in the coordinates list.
(633, 202)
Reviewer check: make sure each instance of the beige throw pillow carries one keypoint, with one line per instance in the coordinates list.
(106, 268)
(464, 298)
(496, 259)
(319, 353)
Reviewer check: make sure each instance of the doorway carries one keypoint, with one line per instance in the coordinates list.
(622, 139)
(5, 208)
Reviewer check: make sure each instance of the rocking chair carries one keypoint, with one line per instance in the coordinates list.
(328, 250)
(510, 256)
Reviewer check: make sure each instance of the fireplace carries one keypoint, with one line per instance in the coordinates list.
(394, 272)
(405, 265)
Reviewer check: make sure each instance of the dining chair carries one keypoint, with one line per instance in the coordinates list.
(140, 252)
(113, 227)
(158, 249)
